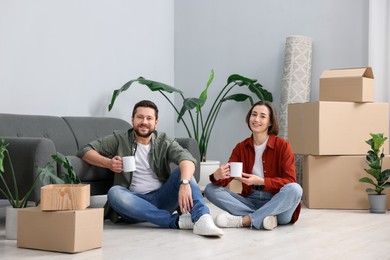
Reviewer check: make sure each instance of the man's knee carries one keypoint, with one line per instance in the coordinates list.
(115, 193)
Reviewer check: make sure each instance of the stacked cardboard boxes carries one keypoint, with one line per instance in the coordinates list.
(331, 134)
(62, 223)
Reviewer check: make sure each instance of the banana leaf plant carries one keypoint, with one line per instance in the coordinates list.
(201, 123)
(374, 159)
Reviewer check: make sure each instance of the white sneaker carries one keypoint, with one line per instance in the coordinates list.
(228, 221)
(205, 227)
(185, 222)
(270, 222)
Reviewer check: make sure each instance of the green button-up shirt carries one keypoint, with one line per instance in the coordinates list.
(164, 151)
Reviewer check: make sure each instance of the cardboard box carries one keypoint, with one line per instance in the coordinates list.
(332, 182)
(336, 128)
(69, 231)
(65, 196)
(355, 85)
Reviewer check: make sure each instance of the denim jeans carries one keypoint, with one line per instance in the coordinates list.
(157, 207)
(259, 204)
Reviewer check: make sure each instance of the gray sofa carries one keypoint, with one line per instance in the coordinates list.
(34, 138)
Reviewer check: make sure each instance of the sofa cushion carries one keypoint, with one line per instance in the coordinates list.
(50, 127)
(87, 129)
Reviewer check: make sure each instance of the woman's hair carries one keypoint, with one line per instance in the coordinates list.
(274, 127)
(146, 103)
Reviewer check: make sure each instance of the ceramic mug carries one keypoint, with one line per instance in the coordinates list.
(235, 169)
(128, 163)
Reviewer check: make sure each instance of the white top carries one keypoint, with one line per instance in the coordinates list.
(258, 166)
(144, 179)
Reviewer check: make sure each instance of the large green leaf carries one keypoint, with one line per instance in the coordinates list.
(48, 175)
(71, 177)
(367, 180)
(203, 95)
(240, 80)
(377, 141)
(267, 95)
(189, 104)
(238, 98)
(116, 92)
(152, 85)
(158, 86)
(258, 91)
(385, 175)
(374, 173)
(264, 94)
(3, 150)
(371, 143)
(371, 156)
(386, 185)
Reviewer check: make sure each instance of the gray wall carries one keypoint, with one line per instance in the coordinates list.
(66, 57)
(248, 37)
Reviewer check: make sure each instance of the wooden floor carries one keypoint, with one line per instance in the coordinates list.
(319, 234)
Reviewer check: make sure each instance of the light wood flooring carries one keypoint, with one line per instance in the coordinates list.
(319, 234)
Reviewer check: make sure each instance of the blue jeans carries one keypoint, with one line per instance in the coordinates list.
(157, 207)
(259, 204)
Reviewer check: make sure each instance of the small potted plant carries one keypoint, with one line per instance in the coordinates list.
(374, 159)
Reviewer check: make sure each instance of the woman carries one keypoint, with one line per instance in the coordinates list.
(270, 194)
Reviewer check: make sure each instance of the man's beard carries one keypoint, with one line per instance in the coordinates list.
(144, 135)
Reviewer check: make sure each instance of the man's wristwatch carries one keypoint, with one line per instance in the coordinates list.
(184, 181)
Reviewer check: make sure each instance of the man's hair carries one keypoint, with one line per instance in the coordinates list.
(274, 127)
(146, 103)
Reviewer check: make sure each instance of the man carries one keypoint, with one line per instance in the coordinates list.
(151, 193)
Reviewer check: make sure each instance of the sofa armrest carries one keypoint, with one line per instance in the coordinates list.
(192, 146)
(27, 154)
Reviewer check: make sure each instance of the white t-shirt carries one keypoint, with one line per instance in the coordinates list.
(258, 166)
(144, 179)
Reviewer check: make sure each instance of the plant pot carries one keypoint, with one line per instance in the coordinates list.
(377, 203)
(11, 223)
(207, 168)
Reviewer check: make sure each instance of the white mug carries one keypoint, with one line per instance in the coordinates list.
(235, 169)
(128, 163)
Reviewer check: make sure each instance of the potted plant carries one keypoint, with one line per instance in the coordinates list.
(13, 197)
(201, 124)
(47, 175)
(374, 159)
